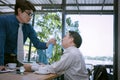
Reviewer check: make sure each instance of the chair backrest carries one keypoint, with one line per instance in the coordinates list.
(90, 68)
(100, 73)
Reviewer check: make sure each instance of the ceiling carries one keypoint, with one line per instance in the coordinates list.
(66, 6)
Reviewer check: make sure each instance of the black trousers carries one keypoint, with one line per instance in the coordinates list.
(11, 58)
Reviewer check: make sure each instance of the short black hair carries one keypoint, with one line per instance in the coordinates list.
(77, 38)
(24, 5)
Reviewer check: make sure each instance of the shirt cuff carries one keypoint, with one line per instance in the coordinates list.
(35, 67)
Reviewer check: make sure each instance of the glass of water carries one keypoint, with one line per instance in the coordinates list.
(22, 69)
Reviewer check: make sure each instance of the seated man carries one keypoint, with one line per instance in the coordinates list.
(72, 62)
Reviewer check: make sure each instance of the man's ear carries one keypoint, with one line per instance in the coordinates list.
(19, 10)
(71, 39)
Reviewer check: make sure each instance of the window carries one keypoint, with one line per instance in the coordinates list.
(97, 35)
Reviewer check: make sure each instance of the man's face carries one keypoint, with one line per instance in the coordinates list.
(67, 41)
(25, 16)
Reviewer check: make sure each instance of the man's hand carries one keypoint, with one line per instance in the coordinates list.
(2, 68)
(52, 40)
(27, 67)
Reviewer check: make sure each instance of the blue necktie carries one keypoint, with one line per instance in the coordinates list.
(49, 51)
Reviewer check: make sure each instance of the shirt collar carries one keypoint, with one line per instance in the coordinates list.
(69, 48)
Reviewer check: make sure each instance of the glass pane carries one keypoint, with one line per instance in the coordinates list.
(97, 35)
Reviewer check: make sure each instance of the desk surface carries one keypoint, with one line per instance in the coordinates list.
(26, 76)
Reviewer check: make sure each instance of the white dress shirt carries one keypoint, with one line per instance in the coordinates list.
(71, 63)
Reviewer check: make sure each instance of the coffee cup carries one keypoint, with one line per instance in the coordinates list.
(11, 65)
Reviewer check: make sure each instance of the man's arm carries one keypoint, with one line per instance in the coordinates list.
(34, 39)
(36, 42)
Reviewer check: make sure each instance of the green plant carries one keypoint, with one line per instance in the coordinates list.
(50, 24)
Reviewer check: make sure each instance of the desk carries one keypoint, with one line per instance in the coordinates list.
(26, 76)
